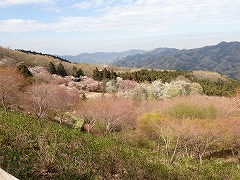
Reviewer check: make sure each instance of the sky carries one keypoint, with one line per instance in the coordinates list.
(71, 27)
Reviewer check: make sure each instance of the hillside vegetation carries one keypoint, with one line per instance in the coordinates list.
(161, 129)
(10, 57)
(50, 151)
(223, 58)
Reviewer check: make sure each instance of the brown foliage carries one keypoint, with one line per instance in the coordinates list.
(196, 138)
(37, 100)
(223, 104)
(43, 98)
(109, 114)
(62, 100)
(11, 84)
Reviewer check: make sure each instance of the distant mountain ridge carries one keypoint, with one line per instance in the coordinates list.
(101, 58)
(223, 57)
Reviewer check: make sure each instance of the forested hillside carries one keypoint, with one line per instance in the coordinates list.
(223, 58)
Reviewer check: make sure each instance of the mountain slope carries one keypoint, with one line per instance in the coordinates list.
(223, 57)
(10, 57)
(101, 58)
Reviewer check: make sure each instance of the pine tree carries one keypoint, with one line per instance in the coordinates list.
(106, 74)
(77, 73)
(80, 72)
(96, 74)
(24, 70)
(113, 75)
(74, 72)
(52, 68)
(61, 70)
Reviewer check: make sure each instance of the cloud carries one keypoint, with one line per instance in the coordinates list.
(6, 3)
(20, 25)
(94, 4)
(135, 15)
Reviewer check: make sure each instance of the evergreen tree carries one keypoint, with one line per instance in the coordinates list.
(105, 74)
(52, 68)
(24, 70)
(77, 73)
(113, 75)
(80, 72)
(96, 74)
(61, 70)
(74, 72)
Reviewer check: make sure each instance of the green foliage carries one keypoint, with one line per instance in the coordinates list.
(52, 68)
(183, 111)
(52, 151)
(104, 74)
(145, 75)
(146, 123)
(80, 72)
(217, 88)
(61, 70)
(77, 72)
(223, 57)
(24, 70)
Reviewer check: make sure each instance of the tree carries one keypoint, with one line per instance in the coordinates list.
(74, 72)
(44, 98)
(11, 84)
(80, 72)
(62, 100)
(22, 69)
(109, 114)
(113, 75)
(38, 100)
(52, 68)
(163, 131)
(77, 73)
(105, 74)
(96, 74)
(61, 70)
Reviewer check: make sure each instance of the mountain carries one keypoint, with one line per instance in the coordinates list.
(101, 58)
(223, 57)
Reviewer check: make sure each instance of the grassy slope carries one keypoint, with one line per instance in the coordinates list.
(52, 151)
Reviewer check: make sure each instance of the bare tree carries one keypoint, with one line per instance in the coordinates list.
(38, 99)
(111, 114)
(63, 100)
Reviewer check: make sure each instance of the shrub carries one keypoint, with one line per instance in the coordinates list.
(146, 123)
(182, 111)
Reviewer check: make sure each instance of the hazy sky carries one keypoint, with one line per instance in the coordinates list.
(76, 26)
